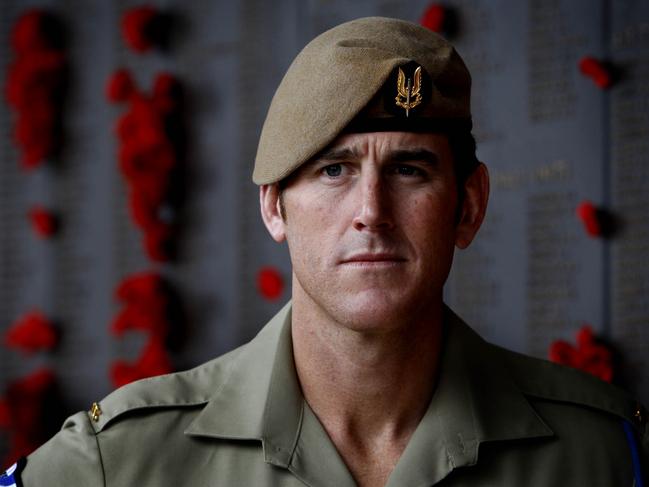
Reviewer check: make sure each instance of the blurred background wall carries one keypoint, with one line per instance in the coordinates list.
(553, 137)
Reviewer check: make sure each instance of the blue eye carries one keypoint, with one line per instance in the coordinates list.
(333, 170)
(407, 171)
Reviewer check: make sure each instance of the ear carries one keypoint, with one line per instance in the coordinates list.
(271, 211)
(474, 207)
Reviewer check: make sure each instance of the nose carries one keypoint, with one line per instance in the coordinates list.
(373, 210)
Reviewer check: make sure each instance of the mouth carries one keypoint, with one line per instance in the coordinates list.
(373, 260)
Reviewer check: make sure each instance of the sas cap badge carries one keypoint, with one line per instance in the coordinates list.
(408, 90)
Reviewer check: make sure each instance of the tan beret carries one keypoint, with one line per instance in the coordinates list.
(346, 73)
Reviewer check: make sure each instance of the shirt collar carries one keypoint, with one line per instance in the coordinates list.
(475, 401)
(260, 398)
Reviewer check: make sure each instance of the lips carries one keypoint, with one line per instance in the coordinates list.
(373, 258)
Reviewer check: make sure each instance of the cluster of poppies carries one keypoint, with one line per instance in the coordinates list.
(35, 88)
(26, 412)
(149, 154)
(23, 414)
(588, 355)
(149, 136)
(145, 299)
(35, 85)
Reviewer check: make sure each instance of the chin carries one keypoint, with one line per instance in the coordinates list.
(377, 312)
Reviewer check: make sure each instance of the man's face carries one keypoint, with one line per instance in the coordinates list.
(371, 227)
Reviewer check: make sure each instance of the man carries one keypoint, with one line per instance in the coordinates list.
(367, 169)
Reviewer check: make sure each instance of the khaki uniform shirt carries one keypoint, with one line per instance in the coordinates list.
(496, 419)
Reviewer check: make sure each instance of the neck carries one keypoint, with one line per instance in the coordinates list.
(367, 388)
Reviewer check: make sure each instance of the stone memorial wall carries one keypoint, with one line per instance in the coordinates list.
(550, 136)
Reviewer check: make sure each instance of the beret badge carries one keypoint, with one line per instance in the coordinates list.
(408, 90)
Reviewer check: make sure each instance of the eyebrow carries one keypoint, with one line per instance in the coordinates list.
(401, 155)
(407, 155)
(338, 154)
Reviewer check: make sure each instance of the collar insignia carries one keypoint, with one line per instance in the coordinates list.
(408, 90)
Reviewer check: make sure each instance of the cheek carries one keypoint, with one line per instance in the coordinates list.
(435, 208)
(431, 221)
(308, 227)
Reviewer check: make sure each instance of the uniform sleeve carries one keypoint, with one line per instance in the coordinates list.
(71, 458)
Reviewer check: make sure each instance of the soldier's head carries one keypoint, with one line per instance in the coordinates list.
(366, 161)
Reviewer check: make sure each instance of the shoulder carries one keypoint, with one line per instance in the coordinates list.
(129, 421)
(553, 386)
(180, 390)
(159, 406)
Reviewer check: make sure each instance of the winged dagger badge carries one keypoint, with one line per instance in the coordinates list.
(408, 91)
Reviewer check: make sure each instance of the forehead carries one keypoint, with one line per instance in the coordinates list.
(380, 144)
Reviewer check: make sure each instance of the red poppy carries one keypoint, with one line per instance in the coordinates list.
(149, 122)
(157, 242)
(164, 85)
(151, 318)
(136, 28)
(141, 287)
(137, 160)
(148, 182)
(597, 361)
(589, 355)
(433, 17)
(24, 412)
(153, 361)
(33, 124)
(28, 32)
(34, 156)
(596, 70)
(144, 214)
(44, 222)
(151, 135)
(270, 283)
(166, 92)
(32, 333)
(144, 122)
(587, 213)
(41, 71)
(120, 86)
(36, 136)
(153, 187)
(563, 353)
(125, 126)
(585, 336)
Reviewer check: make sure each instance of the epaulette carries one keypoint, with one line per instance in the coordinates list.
(546, 380)
(192, 387)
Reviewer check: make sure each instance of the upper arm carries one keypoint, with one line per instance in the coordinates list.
(71, 457)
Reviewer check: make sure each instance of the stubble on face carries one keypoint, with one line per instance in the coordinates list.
(370, 229)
